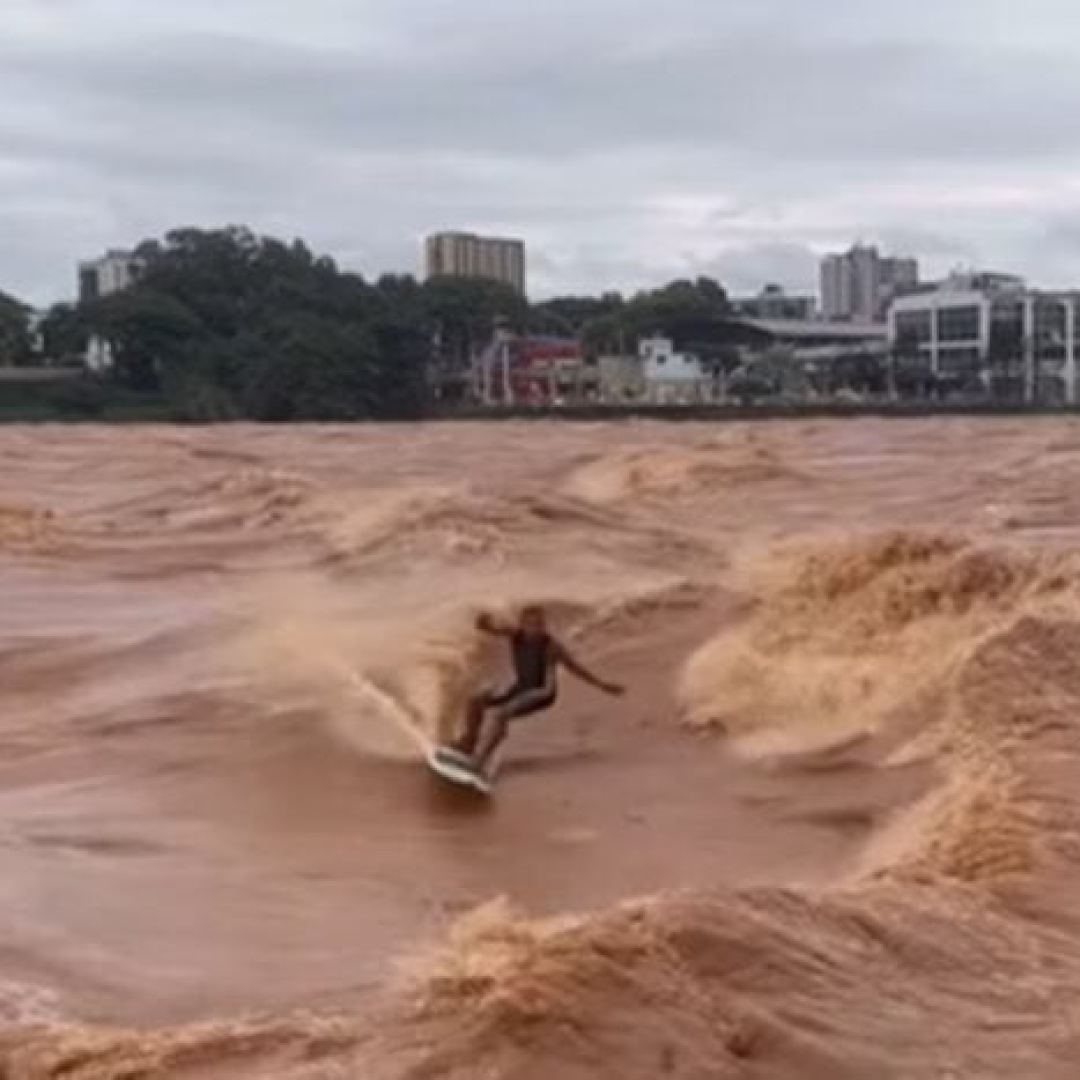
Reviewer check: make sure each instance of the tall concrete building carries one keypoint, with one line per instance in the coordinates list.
(835, 295)
(455, 254)
(859, 285)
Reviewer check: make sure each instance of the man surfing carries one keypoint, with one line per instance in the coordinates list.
(536, 656)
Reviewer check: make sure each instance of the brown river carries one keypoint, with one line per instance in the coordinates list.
(832, 831)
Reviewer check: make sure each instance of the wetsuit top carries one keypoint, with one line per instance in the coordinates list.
(532, 655)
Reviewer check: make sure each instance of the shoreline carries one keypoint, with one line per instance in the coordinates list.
(127, 409)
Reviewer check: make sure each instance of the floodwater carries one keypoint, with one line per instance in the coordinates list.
(831, 831)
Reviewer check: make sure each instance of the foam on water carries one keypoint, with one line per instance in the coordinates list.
(899, 691)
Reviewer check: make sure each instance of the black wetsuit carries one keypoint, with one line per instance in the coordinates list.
(534, 685)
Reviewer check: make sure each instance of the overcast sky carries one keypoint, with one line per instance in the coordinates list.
(627, 141)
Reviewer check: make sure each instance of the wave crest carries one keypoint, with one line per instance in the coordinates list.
(844, 638)
(665, 471)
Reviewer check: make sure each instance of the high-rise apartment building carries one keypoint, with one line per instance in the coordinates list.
(834, 295)
(859, 285)
(455, 254)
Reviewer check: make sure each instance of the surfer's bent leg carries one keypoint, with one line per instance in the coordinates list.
(474, 718)
(466, 742)
(522, 704)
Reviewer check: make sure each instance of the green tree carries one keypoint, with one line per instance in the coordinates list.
(570, 315)
(678, 303)
(63, 333)
(16, 340)
(462, 314)
(226, 323)
(149, 331)
(687, 311)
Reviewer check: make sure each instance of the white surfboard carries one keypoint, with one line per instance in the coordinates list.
(453, 767)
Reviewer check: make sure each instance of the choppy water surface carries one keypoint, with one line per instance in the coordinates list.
(832, 831)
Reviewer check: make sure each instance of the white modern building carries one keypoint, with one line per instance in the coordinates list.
(995, 326)
(662, 374)
(671, 377)
(858, 285)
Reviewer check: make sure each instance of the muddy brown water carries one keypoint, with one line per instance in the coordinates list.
(829, 831)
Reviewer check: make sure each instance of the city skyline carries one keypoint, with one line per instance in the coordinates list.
(461, 254)
(777, 133)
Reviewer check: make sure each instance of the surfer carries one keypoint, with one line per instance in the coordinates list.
(536, 656)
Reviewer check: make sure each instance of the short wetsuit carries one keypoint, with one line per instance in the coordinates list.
(534, 687)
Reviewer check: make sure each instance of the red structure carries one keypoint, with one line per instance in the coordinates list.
(531, 371)
(538, 366)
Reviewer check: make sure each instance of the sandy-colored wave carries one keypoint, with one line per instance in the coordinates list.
(455, 520)
(28, 529)
(231, 759)
(413, 671)
(467, 525)
(848, 634)
(795, 981)
(945, 916)
(296, 1048)
(1004, 738)
(660, 471)
(245, 499)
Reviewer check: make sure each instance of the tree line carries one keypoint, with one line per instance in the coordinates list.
(228, 324)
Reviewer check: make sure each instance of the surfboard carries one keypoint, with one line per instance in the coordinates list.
(454, 767)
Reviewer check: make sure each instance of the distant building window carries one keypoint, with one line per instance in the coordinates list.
(1050, 324)
(88, 285)
(1008, 313)
(958, 324)
(957, 361)
(914, 327)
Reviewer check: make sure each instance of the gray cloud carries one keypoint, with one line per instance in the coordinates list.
(627, 141)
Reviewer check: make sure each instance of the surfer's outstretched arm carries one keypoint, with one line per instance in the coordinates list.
(488, 624)
(572, 664)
